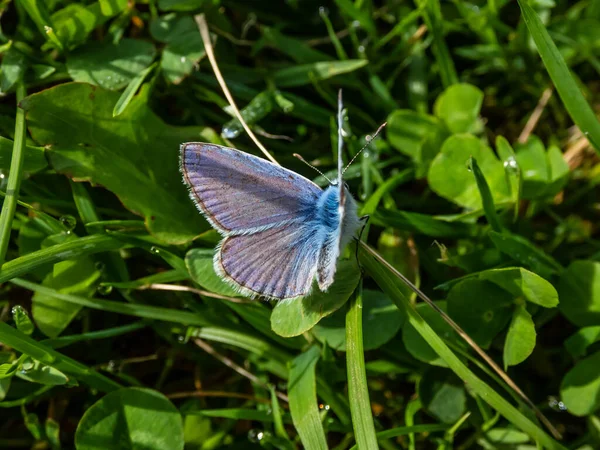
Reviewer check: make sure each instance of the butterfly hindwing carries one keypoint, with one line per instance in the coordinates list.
(241, 193)
(277, 263)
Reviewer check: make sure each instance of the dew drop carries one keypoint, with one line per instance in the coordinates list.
(511, 165)
(68, 221)
(154, 250)
(255, 435)
(355, 24)
(230, 133)
(111, 366)
(183, 60)
(104, 289)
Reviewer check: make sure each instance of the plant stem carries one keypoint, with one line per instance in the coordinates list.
(14, 176)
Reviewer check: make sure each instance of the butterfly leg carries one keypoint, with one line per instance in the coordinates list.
(364, 218)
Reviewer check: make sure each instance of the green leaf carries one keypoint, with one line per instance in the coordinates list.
(108, 65)
(130, 90)
(133, 155)
(22, 320)
(307, 73)
(355, 13)
(36, 372)
(258, 108)
(408, 131)
(580, 388)
(443, 395)
(521, 282)
(544, 174)
(578, 108)
(302, 391)
(184, 48)
(578, 343)
(449, 175)
(38, 12)
(480, 308)
(131, 418)
(580, 290)
(199, 262)
(13, 67)
(78, 276)
(292, 318)
(523, 251)
(458, 106)
(381, 320)
(520, 339)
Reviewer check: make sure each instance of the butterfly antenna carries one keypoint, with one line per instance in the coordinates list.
(340, 136)
(369, 140)
(311, 166)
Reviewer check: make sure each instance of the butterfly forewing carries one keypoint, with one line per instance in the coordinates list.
(241, 193)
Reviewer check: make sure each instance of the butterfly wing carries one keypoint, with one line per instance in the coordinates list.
(278, 263)
(241, 193)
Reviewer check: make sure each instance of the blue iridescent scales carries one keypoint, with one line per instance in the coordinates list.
(280, 230)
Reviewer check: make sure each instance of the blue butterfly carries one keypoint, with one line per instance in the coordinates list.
(280, 229)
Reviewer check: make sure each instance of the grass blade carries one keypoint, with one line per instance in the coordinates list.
(358, 391)
(388, 281)
(576, 105)
(70, 249)
(302, 391)
(486, 196)
(46, 355)
(130, 309)
(14, 177)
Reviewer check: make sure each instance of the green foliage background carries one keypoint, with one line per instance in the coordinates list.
(117, 334)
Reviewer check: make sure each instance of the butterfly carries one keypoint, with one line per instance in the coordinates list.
(280, 230)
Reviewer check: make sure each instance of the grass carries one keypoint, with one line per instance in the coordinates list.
(482, 193)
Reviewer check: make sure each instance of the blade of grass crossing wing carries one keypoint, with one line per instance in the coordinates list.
(576, 105)
(358, 391)
(302, 392)
(388, 281)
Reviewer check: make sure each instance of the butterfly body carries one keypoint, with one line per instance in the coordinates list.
(281, 231)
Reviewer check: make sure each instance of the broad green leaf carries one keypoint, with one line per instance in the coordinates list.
(520, 339)
(449, 173)
(36, 372)
(480, 308)
(131, 418)
(134, 155)
(580, 290)
(184, 48)
(292, 318)
(578, 343)
(578, 108)
(302, 391)
(306, 73)
(77, 276)
(380, 322)
(408, 131)
(442, 394)
(507, 436)
(108, 65)
(523, 251)
(12, 69)
(580, 388)
(199, 262)
(458, 106)
(521, 282)
(543, 173)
